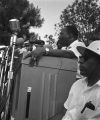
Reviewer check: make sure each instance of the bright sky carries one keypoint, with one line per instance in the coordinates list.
(50, 11)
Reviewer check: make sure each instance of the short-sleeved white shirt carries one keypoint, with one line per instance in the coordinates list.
(73, 47)
(79, 95)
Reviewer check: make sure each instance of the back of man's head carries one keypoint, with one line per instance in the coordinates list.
(71, 29)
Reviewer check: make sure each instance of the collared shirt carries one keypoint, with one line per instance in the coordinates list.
(73, 47)
(79, 95)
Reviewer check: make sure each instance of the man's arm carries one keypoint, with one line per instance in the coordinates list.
(39, 52)
(61, 53)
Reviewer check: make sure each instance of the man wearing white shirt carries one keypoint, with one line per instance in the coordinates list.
(73, 47)
(83, 102)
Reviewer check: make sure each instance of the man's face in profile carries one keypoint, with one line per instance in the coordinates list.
(88, 64)
(64, 37)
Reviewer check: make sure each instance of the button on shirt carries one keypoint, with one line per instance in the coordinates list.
(79, 95)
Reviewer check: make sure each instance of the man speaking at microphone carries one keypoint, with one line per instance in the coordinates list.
(83, 102)
(68, 38)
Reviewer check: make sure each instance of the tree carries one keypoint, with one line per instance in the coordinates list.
(84, 14)
(23, 11)
(32, 15)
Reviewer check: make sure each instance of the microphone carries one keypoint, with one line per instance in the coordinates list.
(14, 25)
(88, 105)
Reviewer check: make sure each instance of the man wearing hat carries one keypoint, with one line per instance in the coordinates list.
(83, 102)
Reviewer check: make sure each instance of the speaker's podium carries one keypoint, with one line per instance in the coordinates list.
(41, 91)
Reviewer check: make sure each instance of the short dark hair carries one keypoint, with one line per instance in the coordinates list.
(73, 30)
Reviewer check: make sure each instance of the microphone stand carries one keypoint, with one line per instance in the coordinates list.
(10, 72)
(10, 75)
(3, 78)
(7, 71)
